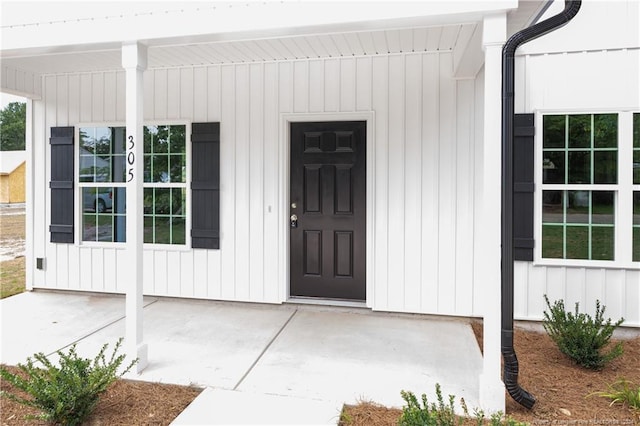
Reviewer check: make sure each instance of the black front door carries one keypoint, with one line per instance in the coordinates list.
(328, 210)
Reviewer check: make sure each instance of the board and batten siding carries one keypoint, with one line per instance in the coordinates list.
(426, 154)
(578, 81)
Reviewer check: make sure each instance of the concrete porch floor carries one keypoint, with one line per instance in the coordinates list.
(260, 364)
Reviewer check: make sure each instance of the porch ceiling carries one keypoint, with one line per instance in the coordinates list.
(424, 39)
(32, 49)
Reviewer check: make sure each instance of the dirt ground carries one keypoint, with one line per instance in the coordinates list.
(124, 403)
(12, 241)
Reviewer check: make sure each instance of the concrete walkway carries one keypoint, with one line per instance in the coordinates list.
(259, 364)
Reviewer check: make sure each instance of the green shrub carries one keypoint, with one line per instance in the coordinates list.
(66, 394)
(623, 392)
(443, 414)
(580, 336)
(440, 414)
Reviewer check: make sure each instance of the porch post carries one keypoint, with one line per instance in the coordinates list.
(134, 61)
(492, 396)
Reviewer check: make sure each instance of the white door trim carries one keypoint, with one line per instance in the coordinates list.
(284, 190)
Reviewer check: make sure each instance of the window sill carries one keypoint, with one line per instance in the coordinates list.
(591, 264)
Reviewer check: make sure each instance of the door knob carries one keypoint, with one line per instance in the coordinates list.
(294, 221)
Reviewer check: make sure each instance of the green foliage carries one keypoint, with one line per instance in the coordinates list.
(623, 392)
(66, 394)
(580, 336)
(416, 413)
(12, 126)
(427, 414)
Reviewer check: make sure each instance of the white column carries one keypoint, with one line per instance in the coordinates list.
(492, 390)
(29, 197)
(134, 61)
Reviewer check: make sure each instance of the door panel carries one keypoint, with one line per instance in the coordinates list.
(328, 197)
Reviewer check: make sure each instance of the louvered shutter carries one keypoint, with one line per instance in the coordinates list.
(523, 186)
(61, 184)
(205, 185)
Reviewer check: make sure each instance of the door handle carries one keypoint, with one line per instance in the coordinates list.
(294, 221)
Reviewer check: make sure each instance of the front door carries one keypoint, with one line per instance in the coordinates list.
(328, 210)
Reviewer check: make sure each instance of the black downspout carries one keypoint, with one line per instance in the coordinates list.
(510, 376)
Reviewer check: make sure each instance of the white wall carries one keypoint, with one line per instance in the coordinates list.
(426, 136)
(581, 76)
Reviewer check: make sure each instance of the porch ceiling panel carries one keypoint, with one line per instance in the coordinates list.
(402, 40)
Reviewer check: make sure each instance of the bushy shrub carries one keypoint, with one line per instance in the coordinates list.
(580, 336)
(428, 414)
(416, 413)
(65, 393)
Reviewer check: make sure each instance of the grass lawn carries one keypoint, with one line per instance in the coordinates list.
(12, 275)
(12, 278)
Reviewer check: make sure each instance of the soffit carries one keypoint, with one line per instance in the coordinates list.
(345, 44)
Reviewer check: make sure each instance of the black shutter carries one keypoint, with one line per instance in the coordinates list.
(205, 185)
(523, 186)
(61, 184)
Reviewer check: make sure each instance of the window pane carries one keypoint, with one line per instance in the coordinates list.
(602, 245)
(636, 130)
(552, 207)
(177, 140)
(162, 230)
(178, 231)
(119, 200)
(160, 140)
(579, 167)
(120, 229)
(160, 168)
(148, 229)
(553, 135)
(602, 208)
(119, 168)
(148, 170)
(605, 165)
(605, 132)
(148, 200)
(552, 240)
(162, 201)
(636, 207)
(178, 169)
(100, 221)
(177, 201)
(578, 207)
(105, 227)
(577, 242)
(636, 167)
(89, 227)
(553, 167)
(636, 244)
(580, 131)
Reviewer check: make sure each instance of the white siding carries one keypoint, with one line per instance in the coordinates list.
(425, 160)
(591, 81)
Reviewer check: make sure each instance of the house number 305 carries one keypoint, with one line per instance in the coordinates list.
(131, 158)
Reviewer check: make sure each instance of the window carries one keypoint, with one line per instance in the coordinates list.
(103, 194)
(586, 190)
(101, 166)
(165, 188)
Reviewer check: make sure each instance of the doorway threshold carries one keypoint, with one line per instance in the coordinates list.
(327, 302)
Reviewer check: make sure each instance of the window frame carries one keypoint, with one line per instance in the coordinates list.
(623, 193)
(78, 209)
(79, 206)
